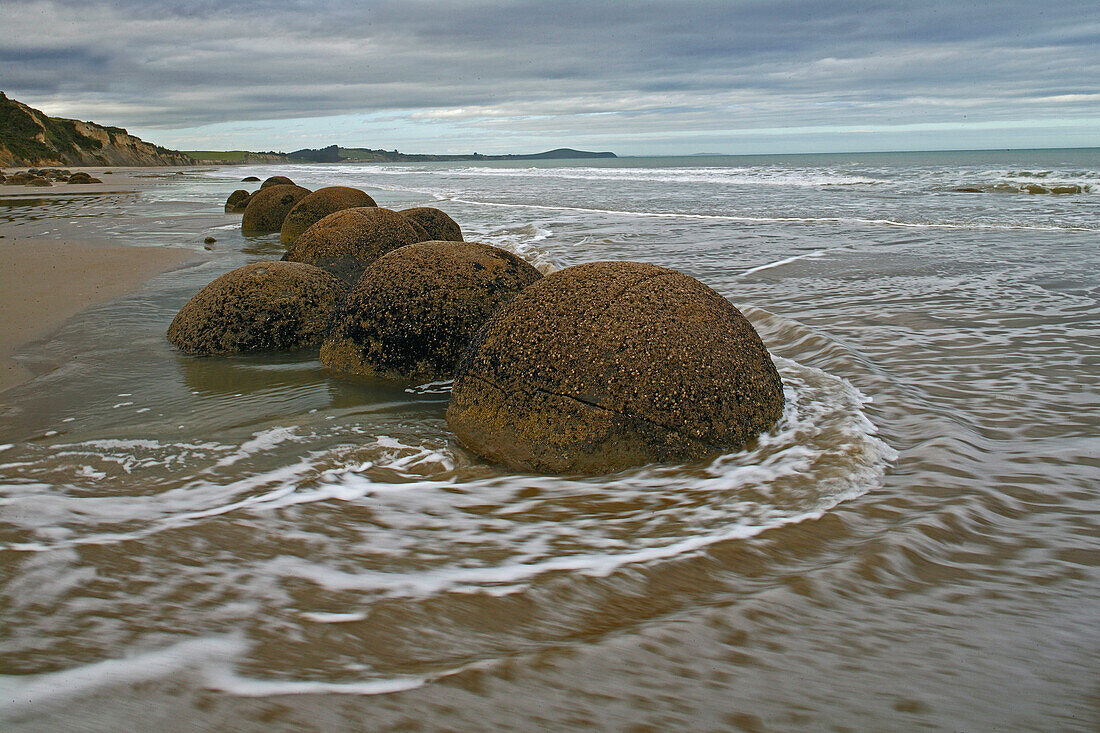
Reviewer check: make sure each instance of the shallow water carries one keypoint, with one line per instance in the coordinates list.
(253, 543)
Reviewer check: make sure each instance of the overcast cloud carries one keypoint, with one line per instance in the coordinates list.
(635, 77)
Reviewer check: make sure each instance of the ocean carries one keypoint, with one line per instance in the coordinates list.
(254, 543)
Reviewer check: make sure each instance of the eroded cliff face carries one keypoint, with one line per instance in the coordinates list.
(31, 137)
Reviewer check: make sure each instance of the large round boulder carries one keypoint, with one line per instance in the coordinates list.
(436, 223)
(345, 242)
(613, 364)
(264, 306)
(415, 310)
(317, 206)
(237, 201)
(268, 207)
(277, 181)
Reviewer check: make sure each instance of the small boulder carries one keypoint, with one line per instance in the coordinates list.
(345, 242)
(268, 207)
(83, 178)
(436, 223)
(39, 181)
(277, 181)
(317, 206)
(264, 306)
(415, 309)
(19, 179)
(237, 201)
(249, 179)
(608, 365)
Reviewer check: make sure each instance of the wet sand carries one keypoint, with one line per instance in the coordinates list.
(46, 281)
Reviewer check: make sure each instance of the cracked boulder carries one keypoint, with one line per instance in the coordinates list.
(268, 207)
(436, 223)
(345, 242)
(264, 306)
(608, 365)
(317, 206)
(415, 310)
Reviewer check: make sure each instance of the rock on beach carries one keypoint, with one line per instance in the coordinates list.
(345, 242)
(415, 310)
(268, 207)
(317, 206)
(608, 365)
(264, 306)
(437, 224)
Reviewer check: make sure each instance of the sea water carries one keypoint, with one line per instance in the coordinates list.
(254, 542)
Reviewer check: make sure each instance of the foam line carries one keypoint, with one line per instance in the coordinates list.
(779, 219)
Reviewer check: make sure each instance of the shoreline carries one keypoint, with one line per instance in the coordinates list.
(45, 281)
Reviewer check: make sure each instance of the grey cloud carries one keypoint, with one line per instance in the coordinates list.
(178, 64)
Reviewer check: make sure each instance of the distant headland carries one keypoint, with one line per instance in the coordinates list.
(336, 154)
(30, 137)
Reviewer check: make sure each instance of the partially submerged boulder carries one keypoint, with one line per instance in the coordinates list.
(415, 310)
(39, 181)
(276, 181)
(251, 179)
(317, 206)
(613, 364)
(237, 201)
(268, 207)
(264, 306)
(436, 223)
(345, 242)
(82, 177)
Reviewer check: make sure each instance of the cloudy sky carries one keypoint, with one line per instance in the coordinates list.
(635, 77)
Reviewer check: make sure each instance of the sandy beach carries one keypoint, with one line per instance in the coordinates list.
(46, 281)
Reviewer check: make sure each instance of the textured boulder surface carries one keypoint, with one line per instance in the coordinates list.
(345, 242)
(82, 177)
(317, 206)
(237, 201)
(436, 223)
(268, 207)
(415, 310)
(613, 364)
(264, 306)
(277, 181)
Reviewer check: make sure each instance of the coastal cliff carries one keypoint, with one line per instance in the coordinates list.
(31, 137)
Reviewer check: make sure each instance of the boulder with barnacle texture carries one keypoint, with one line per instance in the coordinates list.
(415, 310)
(317, 206)
(345, 242)
(264, 306)
(268, 207)
(607, 365)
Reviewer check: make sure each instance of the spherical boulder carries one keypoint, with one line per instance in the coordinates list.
(250, 179)
(317, 206)
(237, 201)
(608, 365)
(437, 223)
(264, 306)
(277, 181)
(345, 242)
(39, 181)
(82, 177)
(415, 309)
(268, 207)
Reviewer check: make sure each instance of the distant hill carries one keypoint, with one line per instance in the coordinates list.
(392, 156)
(31, 137)
(334, 154)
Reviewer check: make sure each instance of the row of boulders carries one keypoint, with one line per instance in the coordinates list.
(593, 368)
(46, 177)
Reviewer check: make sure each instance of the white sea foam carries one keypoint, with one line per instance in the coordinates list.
(847, 220)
